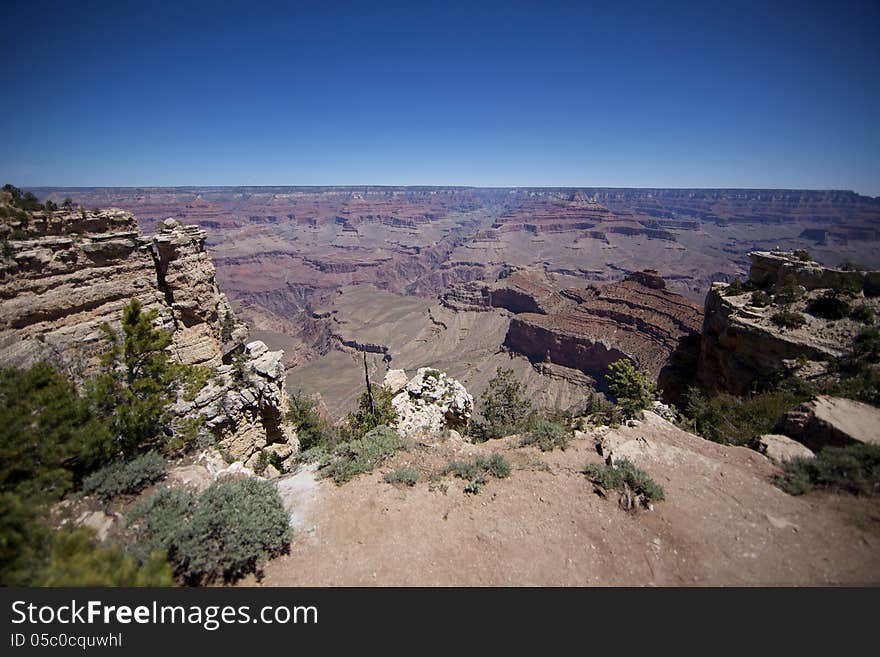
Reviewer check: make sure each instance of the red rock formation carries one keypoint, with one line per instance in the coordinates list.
(590, 328)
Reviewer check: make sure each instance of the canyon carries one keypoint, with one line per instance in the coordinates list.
(403, 273)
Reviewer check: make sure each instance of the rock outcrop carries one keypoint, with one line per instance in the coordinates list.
(742, 347)
(832, 422)
(781, 449)
(588, 329)
(64, 274)
(431, 402)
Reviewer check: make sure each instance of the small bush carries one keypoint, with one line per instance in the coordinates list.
(732, 420)
(475, 471)
(788, 319)
(623, 476)
(364, 454)
(866, 346)
(803, 255)
(601, 411)
(311, 429)
(788, 291)
(735, 288)
(634, 388)
(224, 533)
(74, 559)
(126, 477)
(829, 306)
(547, 435)
(847, 285)
(367, 418)
(854, 469)
(504, 408)
(407, 476)
(863, 313)
(761, 299)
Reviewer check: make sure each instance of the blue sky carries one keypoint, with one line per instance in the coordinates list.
(769, 94)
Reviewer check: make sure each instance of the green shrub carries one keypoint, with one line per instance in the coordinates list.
(138, 382)
(365, 418)
(866, 346)
(622, 475)
(735, 288)
(362, 455)
(126, 477)
(863, 313)
(477, 469)
(761, 299)
(601, 411)
(547, 435)
(802, 255)
(462, 469)
(634, 388)
(854, 469)
(73, 559)
(732, 420)
(504, 408)
(788, 319)
(311, 429)
(847, 285)
(49, 437)
(788, 290)
(229, 530)
(407, 476)
(829, 306)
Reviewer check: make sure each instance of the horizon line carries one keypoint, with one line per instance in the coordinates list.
(470, 187)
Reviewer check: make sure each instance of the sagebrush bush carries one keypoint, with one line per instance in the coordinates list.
(229, 530)
(854, 469)
(788, 319)
(125, 477)
(476, 470)
(363, 454)
(546, 435)
(407, 476)
(623, 475)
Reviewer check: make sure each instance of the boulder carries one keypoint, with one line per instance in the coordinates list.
(780, 449)
(395, 380)
(831, 421)
(431, 402)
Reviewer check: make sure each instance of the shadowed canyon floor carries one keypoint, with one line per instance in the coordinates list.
(723, 522)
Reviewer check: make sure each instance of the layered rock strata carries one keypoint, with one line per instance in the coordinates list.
(743, 348)
(64, 274)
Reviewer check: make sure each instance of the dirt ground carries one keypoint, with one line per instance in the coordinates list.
(723, 522)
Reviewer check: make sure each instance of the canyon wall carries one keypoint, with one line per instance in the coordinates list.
(65, 274)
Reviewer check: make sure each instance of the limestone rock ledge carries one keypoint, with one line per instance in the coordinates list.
(741, 347)
(66, 273)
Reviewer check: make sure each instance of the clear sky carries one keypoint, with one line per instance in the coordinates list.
(666, 94)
